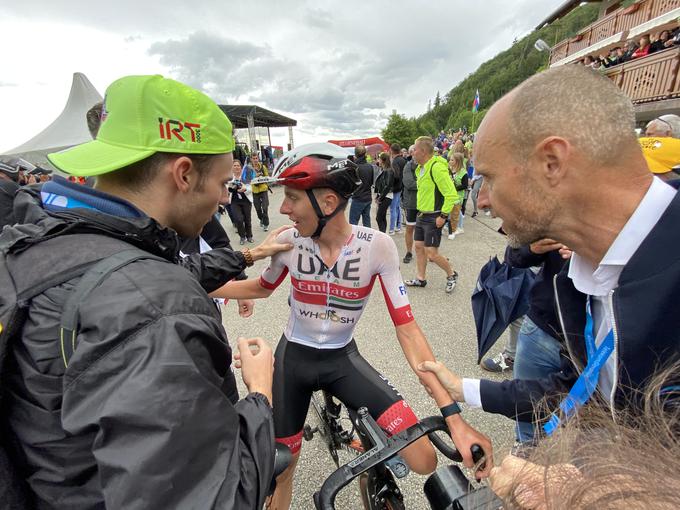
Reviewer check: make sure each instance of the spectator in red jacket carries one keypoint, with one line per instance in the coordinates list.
(644, 48)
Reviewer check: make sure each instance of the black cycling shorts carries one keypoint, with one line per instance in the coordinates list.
(300, 370)
(411, 216)
(426, 230)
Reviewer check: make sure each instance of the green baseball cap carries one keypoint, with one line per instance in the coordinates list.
(143, 115)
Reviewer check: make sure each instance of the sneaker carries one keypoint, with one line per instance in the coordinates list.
(416, 283)
(408, 257)
(499, 364)
(242, 241)
(487, 213)
(397, 230)
(391, 232)
(250, 240)
(265, 228)
(474, 214)
(451, 282)
(460, 230)
(452, 236)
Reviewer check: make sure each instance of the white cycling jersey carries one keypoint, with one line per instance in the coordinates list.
(326, 303)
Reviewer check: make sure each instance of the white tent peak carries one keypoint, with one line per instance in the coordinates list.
(69, 128)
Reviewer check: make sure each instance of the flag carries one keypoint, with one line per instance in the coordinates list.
(475, 103)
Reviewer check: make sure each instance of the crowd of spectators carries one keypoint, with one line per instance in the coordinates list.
(634, 49)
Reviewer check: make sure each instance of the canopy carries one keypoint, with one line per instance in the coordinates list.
(68, 129)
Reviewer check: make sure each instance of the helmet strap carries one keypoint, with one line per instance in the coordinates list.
(323, 218)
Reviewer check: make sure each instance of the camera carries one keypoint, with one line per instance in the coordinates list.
(449, 489)
(235, 184)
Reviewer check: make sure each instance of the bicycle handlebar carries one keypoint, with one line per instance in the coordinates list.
(384, 449)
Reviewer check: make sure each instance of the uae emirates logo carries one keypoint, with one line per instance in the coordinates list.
(180, 130)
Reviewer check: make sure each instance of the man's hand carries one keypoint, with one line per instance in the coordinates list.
(544, 246)
(256, 361)
(464, 437)
(565, 252)
(439, 222)
(451, 382)
(270, 246)
(245, 307)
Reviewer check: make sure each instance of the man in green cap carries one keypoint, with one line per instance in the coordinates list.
(130, 407)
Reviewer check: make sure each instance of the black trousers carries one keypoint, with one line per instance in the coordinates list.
(381, 215)
(261, 203)
(242, 211)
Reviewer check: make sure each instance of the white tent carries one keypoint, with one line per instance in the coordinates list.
(67, 130)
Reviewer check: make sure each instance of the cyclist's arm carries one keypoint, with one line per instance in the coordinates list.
(271, 277)
(242, 289)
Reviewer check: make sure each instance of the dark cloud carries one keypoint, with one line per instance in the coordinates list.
(339, 68)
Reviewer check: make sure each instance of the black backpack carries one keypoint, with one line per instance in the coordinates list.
(63, 258)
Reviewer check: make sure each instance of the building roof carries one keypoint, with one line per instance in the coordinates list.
(562, 10)
(238, 115)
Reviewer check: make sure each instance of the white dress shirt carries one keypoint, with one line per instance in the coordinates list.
(600, 282)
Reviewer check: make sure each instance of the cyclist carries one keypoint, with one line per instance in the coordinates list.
(332, 267)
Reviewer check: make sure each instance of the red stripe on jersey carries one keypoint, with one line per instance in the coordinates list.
(399, 416)
(401, 315)
(324, 288)
(292, 442)
(271, 286)
(310, 299)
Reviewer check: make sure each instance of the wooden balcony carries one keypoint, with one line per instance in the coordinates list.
(651, 78)
(620, 22)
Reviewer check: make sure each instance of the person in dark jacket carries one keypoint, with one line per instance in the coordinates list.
(384, 184)
(360, 205)
(585, 184)
(9, 177)
(398, 163)
(409, 202)
(142, 396)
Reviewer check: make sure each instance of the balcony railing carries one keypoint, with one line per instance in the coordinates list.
(621, 20)
(649, 78)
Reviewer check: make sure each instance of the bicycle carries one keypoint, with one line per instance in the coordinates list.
(376, 461)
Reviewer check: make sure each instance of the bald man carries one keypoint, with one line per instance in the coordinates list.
(577, 175)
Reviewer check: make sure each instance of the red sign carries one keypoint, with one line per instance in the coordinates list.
(361, 141)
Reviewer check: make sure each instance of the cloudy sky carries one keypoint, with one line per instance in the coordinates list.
(339, 68)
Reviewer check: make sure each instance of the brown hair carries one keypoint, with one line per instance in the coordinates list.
(631, 461)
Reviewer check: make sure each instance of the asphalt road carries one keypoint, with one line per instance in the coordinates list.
(446, 320)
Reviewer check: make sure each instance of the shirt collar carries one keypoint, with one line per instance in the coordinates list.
(601, 280)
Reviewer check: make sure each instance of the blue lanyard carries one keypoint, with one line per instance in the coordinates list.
(587, 382)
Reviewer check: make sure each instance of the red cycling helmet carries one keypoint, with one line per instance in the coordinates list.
(319, 165)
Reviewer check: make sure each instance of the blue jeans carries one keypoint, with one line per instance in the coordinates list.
(395, 211)
(538, 356)
(358, 210)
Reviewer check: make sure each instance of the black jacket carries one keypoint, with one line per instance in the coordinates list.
(398, 164)
(384, 183)
(139, 418)
(363, 194)
(7, 191)
(646, 327)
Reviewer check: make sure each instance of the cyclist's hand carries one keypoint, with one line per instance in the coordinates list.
(464, 437)
(451, 382)
(270, 246)
(245, 307)
(256, 361)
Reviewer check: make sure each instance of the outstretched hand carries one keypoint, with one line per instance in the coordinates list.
(270, 246)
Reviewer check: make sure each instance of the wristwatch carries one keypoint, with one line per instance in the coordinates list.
(450, 410)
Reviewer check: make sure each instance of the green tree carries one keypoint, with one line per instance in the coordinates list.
(399, 130)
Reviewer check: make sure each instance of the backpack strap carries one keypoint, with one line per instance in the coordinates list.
(94, 277)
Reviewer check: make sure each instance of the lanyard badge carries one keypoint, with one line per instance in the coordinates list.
(587, 382)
